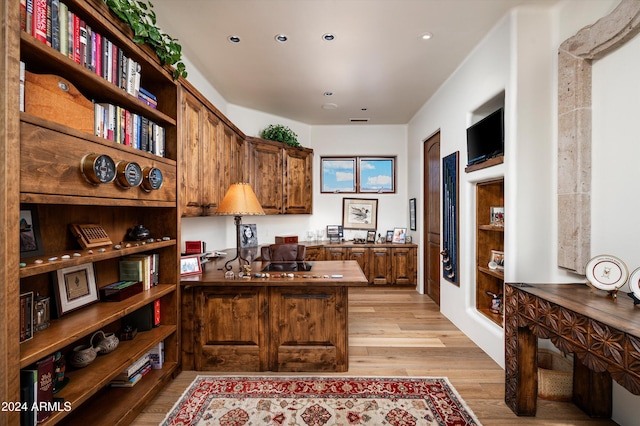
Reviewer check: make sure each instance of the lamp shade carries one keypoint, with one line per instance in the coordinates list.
(240, 200)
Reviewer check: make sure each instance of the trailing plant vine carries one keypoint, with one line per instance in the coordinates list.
(280, 133)
(142, 20)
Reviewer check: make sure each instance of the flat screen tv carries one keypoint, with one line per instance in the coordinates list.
(485, 139)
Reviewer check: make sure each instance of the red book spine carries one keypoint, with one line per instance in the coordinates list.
(156, 312)
(114, 64)
(45, 387)
(76, 39)
(40, 20)
(127, 127)
(98, 52)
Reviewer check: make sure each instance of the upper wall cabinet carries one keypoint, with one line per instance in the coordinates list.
(211, 157)
(281, 176)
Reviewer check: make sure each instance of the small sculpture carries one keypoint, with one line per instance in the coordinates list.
(496, 302)
(138, 233)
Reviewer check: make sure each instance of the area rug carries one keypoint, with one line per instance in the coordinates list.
(319, 401)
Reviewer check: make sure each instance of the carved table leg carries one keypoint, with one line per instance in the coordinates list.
(592, 391)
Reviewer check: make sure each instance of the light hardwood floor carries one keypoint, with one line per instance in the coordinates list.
(398, 332)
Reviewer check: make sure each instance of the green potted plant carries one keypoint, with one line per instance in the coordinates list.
(142, 20)
(280, 133)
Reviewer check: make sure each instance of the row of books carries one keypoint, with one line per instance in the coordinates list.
(52, 23)
(36, 392)
(120, 125)
(152, 360)
(140, 267)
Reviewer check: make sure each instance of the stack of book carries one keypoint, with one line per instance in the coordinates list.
(140, 267)
(133, 374)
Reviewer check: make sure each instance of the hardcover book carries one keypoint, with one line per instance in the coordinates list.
(45, 386)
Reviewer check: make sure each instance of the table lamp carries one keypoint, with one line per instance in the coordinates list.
(240, 200)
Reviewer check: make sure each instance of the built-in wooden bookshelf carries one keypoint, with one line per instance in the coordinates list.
(489, 237)
(52, 186)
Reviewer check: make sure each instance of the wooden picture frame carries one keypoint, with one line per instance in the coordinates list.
(75, 287)
(30, 239)
(360, 213)
(399, 235)
(190, 265)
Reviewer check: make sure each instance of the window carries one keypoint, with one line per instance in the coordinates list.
(357, 174)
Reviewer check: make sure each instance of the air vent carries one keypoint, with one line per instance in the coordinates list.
(359, 120)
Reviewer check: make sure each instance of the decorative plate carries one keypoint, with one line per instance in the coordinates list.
(634, 283)
(606, 272)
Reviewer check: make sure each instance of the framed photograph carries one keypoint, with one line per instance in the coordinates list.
(337, 174)
(399, 235)
(26, 316)
(389, 236)
(412, 214)
(377, 174)
(30, 240)
(497, 216)
(75, 287)
(360, 213)
(497, 260)
(248, 235)
(190, 265)
(371, 236)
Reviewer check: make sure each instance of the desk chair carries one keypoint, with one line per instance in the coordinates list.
(283, 252)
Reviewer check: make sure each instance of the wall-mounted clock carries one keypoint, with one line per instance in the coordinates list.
(129, 174)
(98, 168)
(151, 178)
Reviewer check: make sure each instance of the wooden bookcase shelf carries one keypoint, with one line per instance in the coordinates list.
(52, 185)
(488, 237)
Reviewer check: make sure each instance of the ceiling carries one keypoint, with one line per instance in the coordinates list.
(377, 68)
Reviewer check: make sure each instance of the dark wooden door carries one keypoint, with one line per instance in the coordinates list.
(432, 217)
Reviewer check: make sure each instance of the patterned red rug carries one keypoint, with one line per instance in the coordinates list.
(319, 401)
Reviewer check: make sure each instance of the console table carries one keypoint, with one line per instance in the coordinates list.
(601, 331)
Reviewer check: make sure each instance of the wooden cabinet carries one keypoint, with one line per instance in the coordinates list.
(382, 264)
(489, 240)
(281, 176)
(48, 155)
(314, 253)
(212, 154)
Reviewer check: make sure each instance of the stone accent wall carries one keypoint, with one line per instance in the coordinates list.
(575, 58)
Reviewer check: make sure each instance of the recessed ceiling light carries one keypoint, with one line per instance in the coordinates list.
(425, 36)
(328, 93)
(233, 39)
(281, 38)
(328, 37)
(329, 106)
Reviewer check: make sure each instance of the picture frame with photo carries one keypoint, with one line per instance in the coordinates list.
(190, 265)
(497, 260)
(360, 213)
(412, 214)
(497, 216)
(389, 238)
(371, 236)
(75, 287)
(30, 239)
(248, 235)
(399, 235)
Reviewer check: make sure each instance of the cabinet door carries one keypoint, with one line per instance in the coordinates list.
(335, 253)
(314, 253)
(360, 255)
(404, 265)
(298, 181)
(210, 163)
(231, 156)
(230, 332)
(190, 159)
(265, 169)
(380, 268)
(308, 329)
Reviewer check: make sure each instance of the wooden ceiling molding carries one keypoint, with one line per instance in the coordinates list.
(575, 59)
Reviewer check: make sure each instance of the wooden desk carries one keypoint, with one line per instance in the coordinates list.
(602, 332)
(279, 323)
